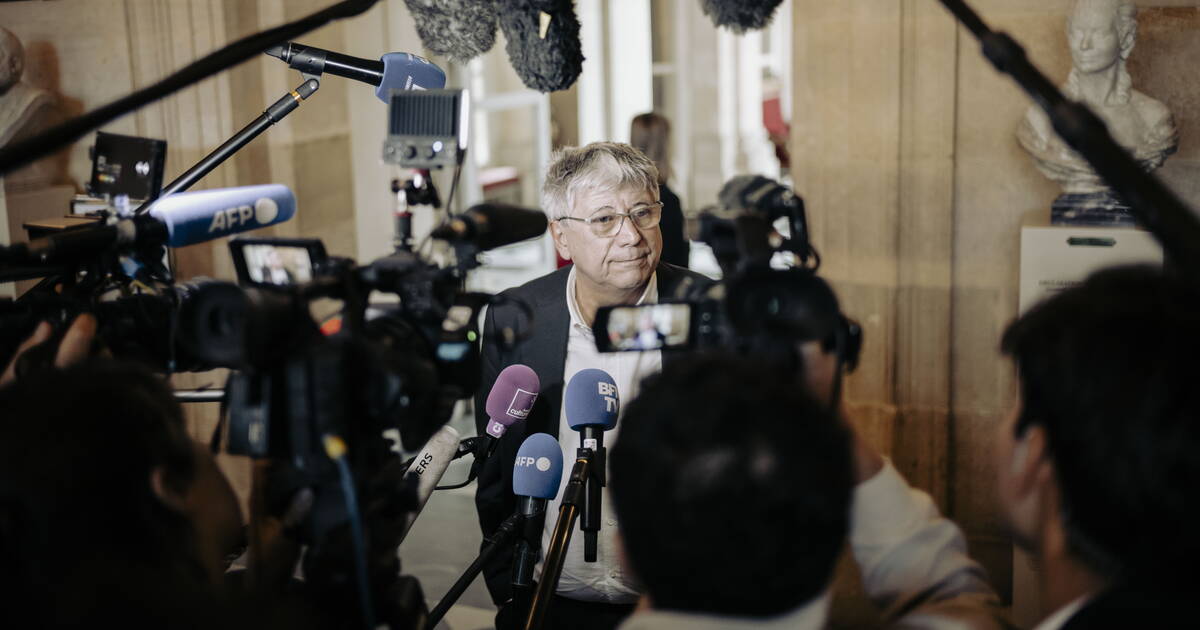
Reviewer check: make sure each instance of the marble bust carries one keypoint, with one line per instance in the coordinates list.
(19, 102)
(1101, 34)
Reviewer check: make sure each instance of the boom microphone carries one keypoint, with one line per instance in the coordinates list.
(491, 225)
(176, 220)
(429, 467)
(459, 29)
(393, 71)
(542, 42)
(592, 404)
(740, 16)
(536, 476)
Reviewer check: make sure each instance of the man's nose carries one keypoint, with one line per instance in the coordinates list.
(1085, 42)
(627, 232)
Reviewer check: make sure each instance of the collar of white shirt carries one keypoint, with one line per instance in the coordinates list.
(649, 296)
(1062, 615)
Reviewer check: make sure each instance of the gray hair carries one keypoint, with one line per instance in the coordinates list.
(597, 166)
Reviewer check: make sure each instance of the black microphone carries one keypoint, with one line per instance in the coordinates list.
(459, 29)
(740, 16)
(393, 71)
(592, 404)
(491, 225)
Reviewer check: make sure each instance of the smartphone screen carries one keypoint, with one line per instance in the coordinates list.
(642, 328)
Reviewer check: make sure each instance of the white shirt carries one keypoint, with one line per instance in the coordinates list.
(603, 580)
(1062, 615)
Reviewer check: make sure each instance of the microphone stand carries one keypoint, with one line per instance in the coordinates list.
(590, 513)
(1154, 205)
(560, 540)
(273, 114)
(230, 55)
(497, 541)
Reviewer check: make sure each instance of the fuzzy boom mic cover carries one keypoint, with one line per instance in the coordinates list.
(740, 15)
(543, 42)
(459, 29)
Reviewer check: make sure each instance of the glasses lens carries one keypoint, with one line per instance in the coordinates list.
(646, 216)
(605, 224)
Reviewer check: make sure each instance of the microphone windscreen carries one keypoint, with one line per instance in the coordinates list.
(542, 42)
(459, 29)
(538, 468)
(511, 398)
(406, 71)
(196, 217)
(740, 16)
(591, 399)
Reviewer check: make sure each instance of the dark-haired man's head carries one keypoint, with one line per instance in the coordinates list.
(1099, 461)
(732, 487)
(101, 487)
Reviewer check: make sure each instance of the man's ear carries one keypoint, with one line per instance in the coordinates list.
(169, 497)
(560, 240)
(1031, 465)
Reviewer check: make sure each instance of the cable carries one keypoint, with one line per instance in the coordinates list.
(335, 448)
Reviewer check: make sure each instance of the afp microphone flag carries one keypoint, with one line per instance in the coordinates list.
(538, 467)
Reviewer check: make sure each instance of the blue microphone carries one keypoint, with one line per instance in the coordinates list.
(537, 474)
(592, 404)
(393, 71)
(175, 220)
(196, 217)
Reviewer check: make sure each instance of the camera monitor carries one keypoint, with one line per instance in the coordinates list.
(642, 328)
(276, 261)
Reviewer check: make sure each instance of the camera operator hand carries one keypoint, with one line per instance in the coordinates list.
(38, 350)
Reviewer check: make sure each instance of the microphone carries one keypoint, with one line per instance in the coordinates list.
(491, 225)
(536, 477)
(176, 220)
(459, 29)
(740, 16)
(592, 405)
(393, 71)
(509, 402)
(542, 42)
(429, 466)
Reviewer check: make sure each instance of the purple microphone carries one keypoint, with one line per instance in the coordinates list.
(511, 398)
(509, 402)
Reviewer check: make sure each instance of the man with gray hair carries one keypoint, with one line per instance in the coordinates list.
(604, 211)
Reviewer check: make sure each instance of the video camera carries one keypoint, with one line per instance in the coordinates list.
(757, 307)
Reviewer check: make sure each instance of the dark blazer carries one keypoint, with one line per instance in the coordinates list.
(676, 249)
(545, 350)
(1138, 606)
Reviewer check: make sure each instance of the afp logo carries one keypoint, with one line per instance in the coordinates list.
(265, 211)
(541, 463)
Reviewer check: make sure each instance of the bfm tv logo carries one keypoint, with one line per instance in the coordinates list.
(541, 463)
(608, 391)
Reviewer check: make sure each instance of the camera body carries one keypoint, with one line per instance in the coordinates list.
(758, 308)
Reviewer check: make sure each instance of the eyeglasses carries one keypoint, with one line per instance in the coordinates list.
(607, 222)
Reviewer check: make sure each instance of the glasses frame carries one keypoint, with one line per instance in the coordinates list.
(590, 221)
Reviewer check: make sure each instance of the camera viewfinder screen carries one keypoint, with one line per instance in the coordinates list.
(277, 264)
(649, 327)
